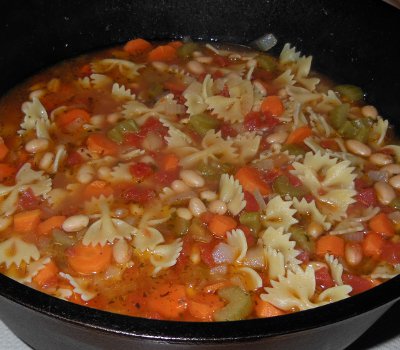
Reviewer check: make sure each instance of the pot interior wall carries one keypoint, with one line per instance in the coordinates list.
(352, 42)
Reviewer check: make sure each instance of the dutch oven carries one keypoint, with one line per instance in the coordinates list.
(352, 41)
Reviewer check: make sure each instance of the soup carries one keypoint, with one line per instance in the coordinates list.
(184, 181)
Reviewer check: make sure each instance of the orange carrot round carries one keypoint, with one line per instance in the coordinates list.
(221, 224)
(168, 300)
(372, 245)
(299, 135)
(164, 53)
(6, 170)
(265, 309)
(204, 306)
(97, 188)
(45, 227)
(76, 116)
(272, 105)
(89, 259)
(251, 180)
(137, 46)
(46, 275)
(333, 245)
(27, 221)
(99, 143)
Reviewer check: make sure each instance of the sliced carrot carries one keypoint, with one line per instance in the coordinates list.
(6, 170)
(3, 149)
(272, 105)
(162, 53)
(175, 44)
(299, 135)
(382, 224)
(74, 117)
(45, 227)
(170, 162)
(251, 180)
(89, 259)
(169, 300)
(265, 309)
(99, 143)
(204, 305)
(27, 221)
(97, 188)
(373, 245)
(137, 46)
(47, 275)
(333, 245)
(221, 224)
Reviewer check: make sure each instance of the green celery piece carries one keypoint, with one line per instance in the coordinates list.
(251, 220)
(282, 186)
(239, 304)
(338, 115)
(187, 49)
(181, 226)
(294, 150)
(395, 203)
(348, 130)
(299, 235)
(267, 63)
(349, 92)
(116, 134)
(201, 123)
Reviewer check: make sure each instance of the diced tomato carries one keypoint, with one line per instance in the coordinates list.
(391, 252)
(358, 284)
(257, 120)
(294, 180)
(153, 125)
(251, 240)
(225, 91)
(27, 200)
(309, 198)
(165, 178)
(367, 197)
(271, 175)
(141, 170)
(133, 139)
(251, 203)
(138, 194)
(360, 183)
(304, 256)
(74, 158)
(221, 61)
(323, 279)
(85, 71)
(206, 250)
(216, 75)
(176, 86)
(206, 217)
(330, 144)
(227, 131)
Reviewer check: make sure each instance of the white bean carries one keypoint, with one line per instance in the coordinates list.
(75, 223)
(369, 111)
(391, 169)
(358, 148)
(97, 120)
(54, 85)
(121, 252)
(37, 145)
(384, 192)
(46, 160)
(85, 174)
(195, 67)
(315, 229)
(208, 196)
(184, 213)
(218, 207)
(353, 253)
(395, 182)
(197, 54)
(197, 207)
(179, 186)
(204, 59)
(277, 137)
(195, 256)
(191, 178)
(114, 117)
(160, 66)
(381, 159)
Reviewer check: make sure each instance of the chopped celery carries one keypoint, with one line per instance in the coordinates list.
(349, 92)
(251, 220)
(116, 134)
(299, 235)
(187, 49)
(294, 150)
(395, 203)
(155, 90)
(214, 169)
(348, 130)
(198, 231)
(181, 226)
(283, 186)
(267, 63)
(239, 304)
(338, 115)
(201, 123)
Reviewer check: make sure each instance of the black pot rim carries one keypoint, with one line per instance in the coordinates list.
(198, 332)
